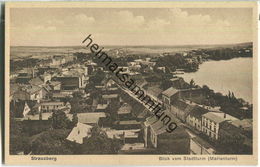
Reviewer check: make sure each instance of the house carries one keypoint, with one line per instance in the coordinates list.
(125, 69)
(155, 93)
(124, 112)
(38, 117)
(245, 124)
(127, 124)
(29, 92)
(230, 133)
(194, 118)
(192, 93)
(25, 75)
(109, 83)
(101, 108)
(79, 132)
(199, 146)
(153, 80)
(211, 122)
(134, 66)
(112, 90)
(46, 77)
(162, 69)
(177, 82)
(90, 118)
(156, 136)
(13, 75)
(55, 85)
(36, 82)
(57, 60)
(21, 108)
(110, 97)
(71, 80)
(60, 95)
(181, 109)
(47, 69)
(168, 96)
(51, 106)
(46, 91)
(132, 136)
(141, 116)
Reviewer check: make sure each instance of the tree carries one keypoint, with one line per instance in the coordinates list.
(232, 144)
(74, 120)
(77, 94)
(112, 109)
(51, 142)
(192, 83)
(97, 78)
(19, 141)
(99, 143)
(59, 120)
(76, 102)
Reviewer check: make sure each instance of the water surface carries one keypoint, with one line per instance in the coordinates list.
(233, 75)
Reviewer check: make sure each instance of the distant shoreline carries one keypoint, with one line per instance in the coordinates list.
(127, 46)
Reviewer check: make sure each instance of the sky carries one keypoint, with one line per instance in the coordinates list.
(130, 26)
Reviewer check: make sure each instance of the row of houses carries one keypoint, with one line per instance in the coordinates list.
(204, 120)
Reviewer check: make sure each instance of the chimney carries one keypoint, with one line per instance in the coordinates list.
(225, 115)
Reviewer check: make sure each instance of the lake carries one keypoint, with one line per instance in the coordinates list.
(233, 75)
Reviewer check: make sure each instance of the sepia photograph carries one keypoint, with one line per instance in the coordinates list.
(121, 83)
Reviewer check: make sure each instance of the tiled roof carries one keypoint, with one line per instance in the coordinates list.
(33, 89)
(197, 112)
(245, 123)
(45, 116)
(129, 122)
(36, 81)
(213, 117)
(88, 118)
(102, 106)
(124, 109)
(111, 96)
(158, 127)
(144, 113)
(169, 92)
(54, 83)
(219, 116)
(231, 129)
(181, 104)
(52, 103)
(202, 142)
(155, 91)
(79, 132)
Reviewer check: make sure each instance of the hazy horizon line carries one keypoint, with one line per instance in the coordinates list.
(240, 43)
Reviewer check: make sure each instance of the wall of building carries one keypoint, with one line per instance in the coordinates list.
(210, 128)
(194, 122)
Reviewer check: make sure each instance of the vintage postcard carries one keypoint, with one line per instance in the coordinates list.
(131, 83)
